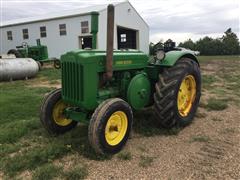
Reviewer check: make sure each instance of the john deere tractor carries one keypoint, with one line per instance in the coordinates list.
(39, 53)
(104, 88)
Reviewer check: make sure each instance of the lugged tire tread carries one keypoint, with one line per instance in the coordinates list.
(166, 89)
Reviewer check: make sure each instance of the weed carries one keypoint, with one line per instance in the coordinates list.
(207, 81)
(219, 92)
(124, 156)
(47, 171)
(145, 161)
(228, 131)
(79, 172)
(200, 115)
(200, 139)
(216, 104)
(216, 119)
(142, 149)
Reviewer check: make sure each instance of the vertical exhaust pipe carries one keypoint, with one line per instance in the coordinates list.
(110, 37)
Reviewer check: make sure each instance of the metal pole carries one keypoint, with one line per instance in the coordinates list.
(110, 37)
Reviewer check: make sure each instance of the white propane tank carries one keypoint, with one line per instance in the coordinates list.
(17, 68)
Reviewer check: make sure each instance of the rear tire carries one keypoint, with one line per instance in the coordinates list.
(51, 114)
(170, 107)
(110, 126)
(15, 52)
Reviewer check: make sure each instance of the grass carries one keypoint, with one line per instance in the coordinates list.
(208, 80)
(31, 159)
(125, 155)
(214, 104)
(50, 74)
(79, 172)
(145, 161)
(199, 138)
(48, 171)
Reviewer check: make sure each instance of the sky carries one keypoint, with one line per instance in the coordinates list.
(175, 19)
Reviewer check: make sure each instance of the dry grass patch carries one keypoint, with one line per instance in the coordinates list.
(124, 155)
(215, 104)
(199, 138)
(146, 161)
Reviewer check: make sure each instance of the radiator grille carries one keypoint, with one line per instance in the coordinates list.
(72, 81)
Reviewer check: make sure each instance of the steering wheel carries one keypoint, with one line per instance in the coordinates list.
(24, 44)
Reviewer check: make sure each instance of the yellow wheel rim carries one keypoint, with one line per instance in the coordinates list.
(58, 115)
(186, 95)
(116, 128)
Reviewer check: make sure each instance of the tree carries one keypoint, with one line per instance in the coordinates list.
(230, 43)
(189, 44)
(227, 45)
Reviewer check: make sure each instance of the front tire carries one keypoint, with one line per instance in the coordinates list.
(15, 52)
(57, 64)
(52, 116)
(178, 93)
(110, 126)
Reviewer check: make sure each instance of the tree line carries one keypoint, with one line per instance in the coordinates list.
(228, 44)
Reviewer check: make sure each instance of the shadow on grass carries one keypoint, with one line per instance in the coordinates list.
(77, 141)
(146, 124)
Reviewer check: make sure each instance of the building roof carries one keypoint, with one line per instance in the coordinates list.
(58, 15)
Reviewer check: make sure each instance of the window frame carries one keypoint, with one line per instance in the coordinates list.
(85, 28)
(25, 34)
(9, 35)
(62, 29)
(43, 33)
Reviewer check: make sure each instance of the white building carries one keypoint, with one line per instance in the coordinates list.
(76, 29)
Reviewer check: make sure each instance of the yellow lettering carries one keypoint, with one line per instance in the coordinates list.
(123, 62)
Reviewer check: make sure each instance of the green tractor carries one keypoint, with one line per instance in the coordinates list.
(103, 88)
(39, 53)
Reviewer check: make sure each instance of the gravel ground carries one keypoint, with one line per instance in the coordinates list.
(209, 148)
(176, 157)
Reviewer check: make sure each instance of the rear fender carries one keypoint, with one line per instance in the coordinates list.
(173, 56)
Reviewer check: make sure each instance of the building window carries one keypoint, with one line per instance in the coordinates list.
(84, 26)
(9, 35)
(25, 33)
(43, 31)
(123, 37)
(62, 29)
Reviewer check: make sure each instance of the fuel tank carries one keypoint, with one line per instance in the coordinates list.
(17, 68)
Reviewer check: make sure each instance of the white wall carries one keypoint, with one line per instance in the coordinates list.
(126, 19)
(57, 45)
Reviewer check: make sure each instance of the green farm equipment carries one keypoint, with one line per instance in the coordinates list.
(102, 88)
(39, 53)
